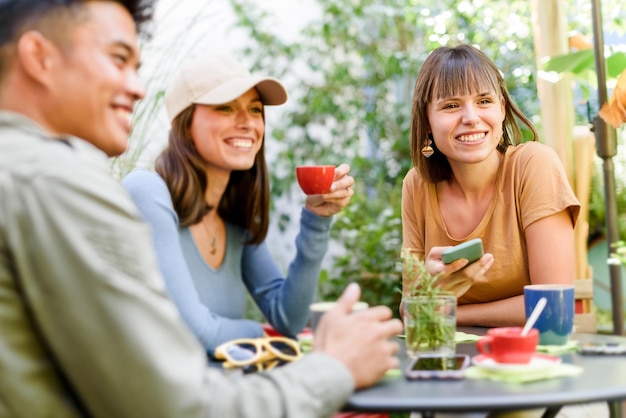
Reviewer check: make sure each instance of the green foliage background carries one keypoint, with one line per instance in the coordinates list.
(350, 75)
(353, 72)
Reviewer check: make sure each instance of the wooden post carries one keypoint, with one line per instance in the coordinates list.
(574, 147)
(556, 97)
(584, 152)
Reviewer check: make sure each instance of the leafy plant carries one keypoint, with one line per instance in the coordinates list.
(428, 311)
(597, 208)
(581, 65)
(350, 74)
(370, 233)
(619, 252)
(414, 271)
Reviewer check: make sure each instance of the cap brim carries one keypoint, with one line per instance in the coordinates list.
(271, 91)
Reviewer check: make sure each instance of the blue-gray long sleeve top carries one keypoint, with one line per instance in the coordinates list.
(212, 301)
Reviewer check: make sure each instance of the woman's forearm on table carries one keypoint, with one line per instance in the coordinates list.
(504, 312)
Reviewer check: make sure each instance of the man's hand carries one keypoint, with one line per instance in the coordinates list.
(360, 340)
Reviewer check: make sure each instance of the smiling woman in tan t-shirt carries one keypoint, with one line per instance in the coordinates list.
(473, 179)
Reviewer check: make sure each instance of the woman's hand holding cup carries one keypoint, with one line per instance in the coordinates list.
(324, 198)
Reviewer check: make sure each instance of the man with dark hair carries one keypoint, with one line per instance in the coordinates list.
(86, 328)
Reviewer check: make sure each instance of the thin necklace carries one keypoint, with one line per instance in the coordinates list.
(213, 239)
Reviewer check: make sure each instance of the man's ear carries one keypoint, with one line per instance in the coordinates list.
(36, 55)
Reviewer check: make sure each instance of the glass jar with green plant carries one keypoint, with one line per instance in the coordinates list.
(428, 312)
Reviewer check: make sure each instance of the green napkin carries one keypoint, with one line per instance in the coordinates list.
(571, 346)
(464, 337)
(306, 344)
(522, 376)
(393, 373)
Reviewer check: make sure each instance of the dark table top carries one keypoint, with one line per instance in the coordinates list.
(603, 379)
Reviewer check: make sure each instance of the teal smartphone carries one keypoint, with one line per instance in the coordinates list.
(472, 250)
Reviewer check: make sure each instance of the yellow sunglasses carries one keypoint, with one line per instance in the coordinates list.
(263, 353)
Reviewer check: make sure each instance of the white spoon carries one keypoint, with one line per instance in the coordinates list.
(534, 315)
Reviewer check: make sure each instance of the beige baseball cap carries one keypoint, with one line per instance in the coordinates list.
(214, 79)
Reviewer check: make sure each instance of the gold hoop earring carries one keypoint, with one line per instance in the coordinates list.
(427, 150)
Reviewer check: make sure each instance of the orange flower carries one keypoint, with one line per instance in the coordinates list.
(614, 112)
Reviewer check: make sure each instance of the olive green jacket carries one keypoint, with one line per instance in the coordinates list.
(79, 284)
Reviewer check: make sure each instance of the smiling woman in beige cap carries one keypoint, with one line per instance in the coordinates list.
(208, 205)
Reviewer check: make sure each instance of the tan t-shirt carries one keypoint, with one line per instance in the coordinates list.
(531, 185)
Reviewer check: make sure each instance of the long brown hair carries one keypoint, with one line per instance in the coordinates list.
(450, 71)
(246, 199)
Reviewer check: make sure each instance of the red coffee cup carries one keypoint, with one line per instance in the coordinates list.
(508, 345)
(315, 179)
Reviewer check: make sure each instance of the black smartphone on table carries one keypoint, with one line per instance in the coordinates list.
(437, 367)
(472, 250)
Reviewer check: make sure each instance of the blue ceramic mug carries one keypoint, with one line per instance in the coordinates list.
(556, 322)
